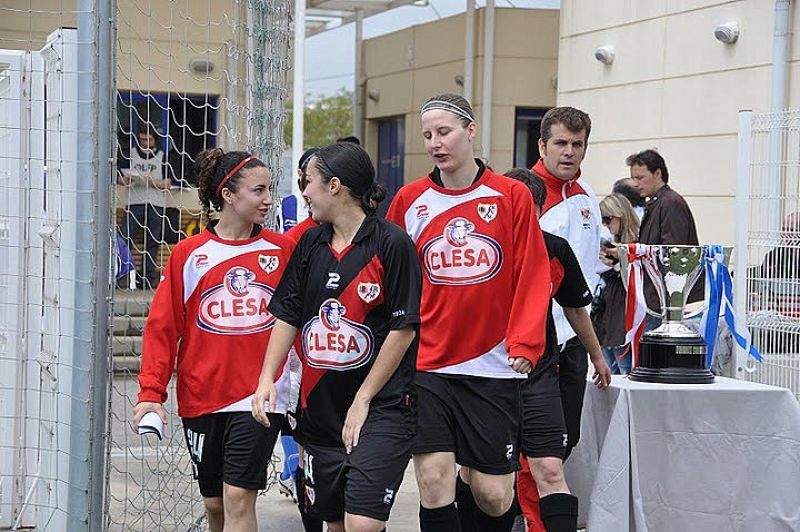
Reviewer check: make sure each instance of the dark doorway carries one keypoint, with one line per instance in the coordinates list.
(527, 123)
(391, 156)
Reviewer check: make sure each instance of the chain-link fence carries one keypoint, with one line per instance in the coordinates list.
(768, 243)
(101, 123)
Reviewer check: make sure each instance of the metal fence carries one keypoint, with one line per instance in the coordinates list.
(197, 75)
(54, 271)
(768, 244)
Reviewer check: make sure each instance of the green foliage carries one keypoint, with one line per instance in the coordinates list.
(326, 119)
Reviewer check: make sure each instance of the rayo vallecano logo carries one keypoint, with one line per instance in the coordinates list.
(237, 306)
(269, 263)
(331, 341)
(487, 211)
(369, 292)
(461, 256)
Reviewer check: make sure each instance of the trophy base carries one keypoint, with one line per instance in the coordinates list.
(670, 360)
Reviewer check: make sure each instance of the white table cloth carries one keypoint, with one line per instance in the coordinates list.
(684, 458)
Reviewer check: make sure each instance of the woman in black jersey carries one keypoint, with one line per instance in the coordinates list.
(352, 290)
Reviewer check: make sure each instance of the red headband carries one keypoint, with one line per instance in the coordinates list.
(230, 174)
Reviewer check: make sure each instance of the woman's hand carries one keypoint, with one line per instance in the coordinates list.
(144, 407)
(356, 416)
(520, 364)
(602, 373)
(266, 395)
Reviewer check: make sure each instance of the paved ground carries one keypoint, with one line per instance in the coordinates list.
(152, 488)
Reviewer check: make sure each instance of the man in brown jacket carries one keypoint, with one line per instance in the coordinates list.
(667, 217)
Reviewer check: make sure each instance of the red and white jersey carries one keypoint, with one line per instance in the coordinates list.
(486, 277)
(210, 314)
(571, 211)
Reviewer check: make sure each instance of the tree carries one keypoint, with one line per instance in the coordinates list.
(326, 118)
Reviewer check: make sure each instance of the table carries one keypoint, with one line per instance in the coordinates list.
(664, 457)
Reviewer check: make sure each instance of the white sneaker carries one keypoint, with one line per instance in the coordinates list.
(286, 488)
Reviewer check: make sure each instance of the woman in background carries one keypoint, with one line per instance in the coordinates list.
(608, 315)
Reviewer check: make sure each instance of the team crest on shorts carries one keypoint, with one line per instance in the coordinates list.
(369, 292)
(487, 211)
(269, 263)
(461, 256)
(331, 341)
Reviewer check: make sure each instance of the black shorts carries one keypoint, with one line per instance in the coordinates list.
(230, 447)
(365, 482)
(477, 418)
(543, 432)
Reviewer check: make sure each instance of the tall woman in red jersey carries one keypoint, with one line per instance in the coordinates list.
(485, 296)
(352, 290)
(210, 314)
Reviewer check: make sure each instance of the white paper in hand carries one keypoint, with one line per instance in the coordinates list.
(151, 424)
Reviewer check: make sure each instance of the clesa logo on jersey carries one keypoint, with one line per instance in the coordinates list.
(331, 341)
(460, 256)
(238, 306)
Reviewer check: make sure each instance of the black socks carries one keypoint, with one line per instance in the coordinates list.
(466, 506)
(503, 523)
(310, 524)
(473, 519)
(559, 512)
(444, 519)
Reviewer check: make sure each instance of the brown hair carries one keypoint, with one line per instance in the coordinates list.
(211, 167)
(457, 102)
(571, 118)
(618, 205)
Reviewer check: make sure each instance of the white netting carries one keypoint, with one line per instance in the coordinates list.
(198, 75)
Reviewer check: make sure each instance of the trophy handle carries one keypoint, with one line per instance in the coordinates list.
(624, 264)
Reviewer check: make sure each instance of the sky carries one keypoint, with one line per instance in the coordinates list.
(330, 56)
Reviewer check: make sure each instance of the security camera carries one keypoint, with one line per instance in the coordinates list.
(605, 54)
(727, 33)
(201, 66)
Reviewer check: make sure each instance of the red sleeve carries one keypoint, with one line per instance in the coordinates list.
(397, 211)
(162, 331)
(525, 336)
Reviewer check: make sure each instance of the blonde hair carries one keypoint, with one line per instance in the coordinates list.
(618, 205)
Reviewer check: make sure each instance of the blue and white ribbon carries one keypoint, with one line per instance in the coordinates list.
(719, 295)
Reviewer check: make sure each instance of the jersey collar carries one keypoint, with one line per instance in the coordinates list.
(363, 231)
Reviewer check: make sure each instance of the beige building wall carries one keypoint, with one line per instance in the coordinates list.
(156, 43)
(407, 67)
(673, 86)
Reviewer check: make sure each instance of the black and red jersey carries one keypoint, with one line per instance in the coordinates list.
(568, 287)
(345, 304)
(486, 286)
(564, 266)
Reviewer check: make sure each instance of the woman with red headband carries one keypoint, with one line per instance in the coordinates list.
(210, 315)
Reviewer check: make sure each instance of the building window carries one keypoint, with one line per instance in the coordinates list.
(185, 125)
(527, 123)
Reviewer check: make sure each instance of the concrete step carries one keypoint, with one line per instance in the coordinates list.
(126, 345)
(127, 364)
(132, 302)
(128, 325)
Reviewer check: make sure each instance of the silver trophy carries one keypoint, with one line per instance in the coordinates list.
(673, 352)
